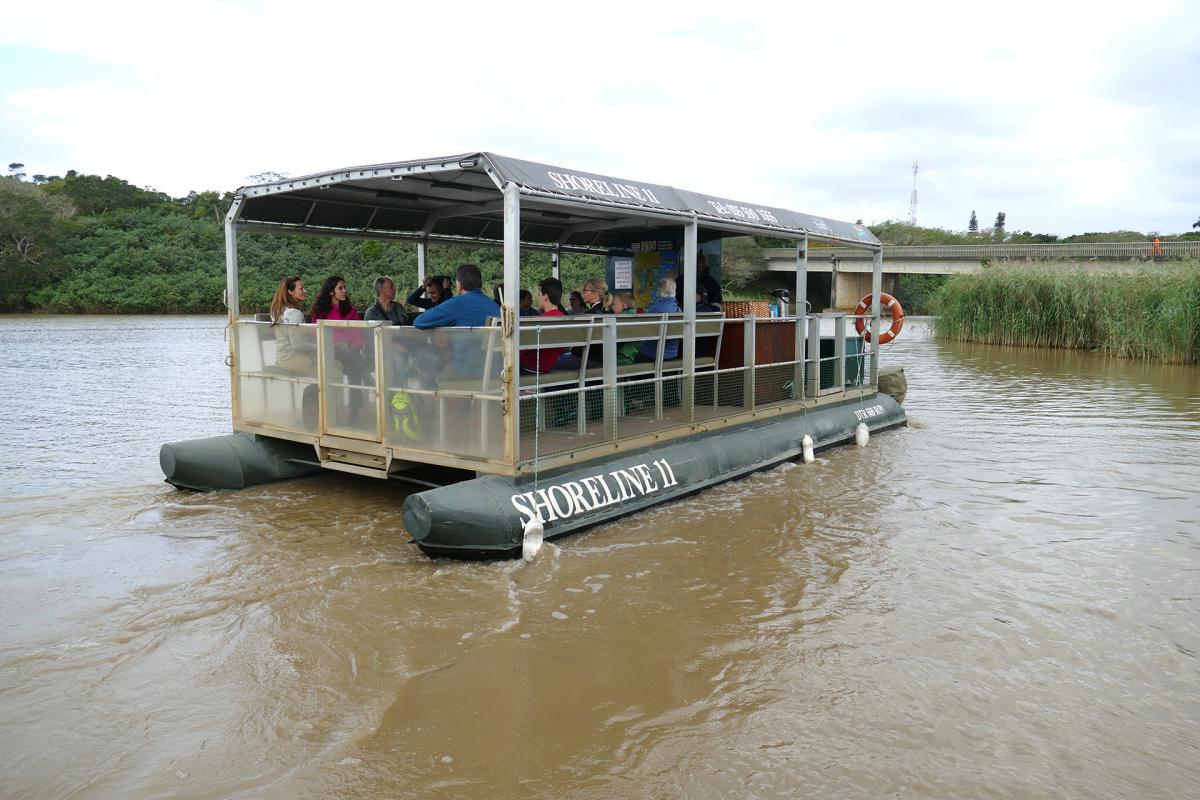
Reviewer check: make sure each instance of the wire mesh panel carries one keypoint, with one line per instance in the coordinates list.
(277, 376)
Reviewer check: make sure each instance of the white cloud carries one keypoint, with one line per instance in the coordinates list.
(816, 107)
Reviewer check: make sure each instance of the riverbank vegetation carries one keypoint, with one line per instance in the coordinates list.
(86, 244)
(1152, 313)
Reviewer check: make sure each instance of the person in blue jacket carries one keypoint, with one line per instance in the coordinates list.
(664, 303)
(470, 308)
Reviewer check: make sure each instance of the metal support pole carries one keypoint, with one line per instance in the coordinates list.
(748, 353)
(839, 352)
(613, 402)
(876, 284)
(232, 300)
(554, 259)
(801, 314)
(509, 322)
(687, 399)
(421, 247)
(833, 282)
(813, 382)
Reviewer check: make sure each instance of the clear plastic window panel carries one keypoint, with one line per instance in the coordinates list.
(277, 376)
(351, 400)
(442, 391)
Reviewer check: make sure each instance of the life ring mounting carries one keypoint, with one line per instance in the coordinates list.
(885, 299)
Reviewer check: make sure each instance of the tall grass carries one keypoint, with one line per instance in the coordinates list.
(1152, 313)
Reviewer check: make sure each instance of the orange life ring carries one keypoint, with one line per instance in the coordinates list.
(886, 299)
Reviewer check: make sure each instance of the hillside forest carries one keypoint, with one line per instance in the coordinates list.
(90, 244)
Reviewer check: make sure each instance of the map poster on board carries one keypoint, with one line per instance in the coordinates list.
(623, 273)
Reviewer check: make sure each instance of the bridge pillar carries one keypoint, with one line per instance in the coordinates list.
(850, 287)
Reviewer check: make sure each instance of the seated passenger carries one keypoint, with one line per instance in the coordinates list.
(294, 350)
(664, 303)
(622, 303)
(703, 280)
(435, 290)
(702, 304)
(593, 294)
(577, 306)
(469, 309)
(550, 303)
(594, 291)
(527, 309)
(385, 308)
(333, 303)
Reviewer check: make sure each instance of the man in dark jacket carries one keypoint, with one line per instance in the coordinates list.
(385, 308)
(435, 290)
(708, 283)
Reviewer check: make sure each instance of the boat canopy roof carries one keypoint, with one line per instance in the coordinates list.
(459, 199)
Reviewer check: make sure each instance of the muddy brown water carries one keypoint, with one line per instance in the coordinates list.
(999, 601)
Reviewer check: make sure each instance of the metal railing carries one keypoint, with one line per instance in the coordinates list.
(438, 395)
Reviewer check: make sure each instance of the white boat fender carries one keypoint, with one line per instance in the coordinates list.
(861, 434)
(807, 445)
(531, 540)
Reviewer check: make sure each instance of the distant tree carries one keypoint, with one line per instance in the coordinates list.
(1196, 224)
(742, 261)
(29, 225)
(901, 233)
(16, 170)
(91, 194)
(998, 228)
(210, 205)
(1028, 237)
(973, 225)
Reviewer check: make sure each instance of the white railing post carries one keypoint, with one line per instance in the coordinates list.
(232, 300)
(800, 304)
(813, 379)
(612, 395)
(509, 324)
(748, 356)
(876, 283)
(686, 391)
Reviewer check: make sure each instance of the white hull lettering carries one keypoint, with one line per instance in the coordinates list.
(567, 499)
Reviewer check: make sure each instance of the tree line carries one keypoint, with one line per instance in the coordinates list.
(81, 243)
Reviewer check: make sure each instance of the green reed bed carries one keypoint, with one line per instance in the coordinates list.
(1152, 313)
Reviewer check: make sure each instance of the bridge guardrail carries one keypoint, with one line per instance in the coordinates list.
(1035, 252)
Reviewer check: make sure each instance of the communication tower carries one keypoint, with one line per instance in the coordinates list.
(912, 205)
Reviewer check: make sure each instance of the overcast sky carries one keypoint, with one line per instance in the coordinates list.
(1069, 117)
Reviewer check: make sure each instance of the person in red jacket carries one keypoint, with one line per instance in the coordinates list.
(549, 302)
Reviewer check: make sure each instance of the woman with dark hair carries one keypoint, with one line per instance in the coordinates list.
(294, 350)
(333, 303)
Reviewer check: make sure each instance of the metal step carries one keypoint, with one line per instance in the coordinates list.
(368, 464)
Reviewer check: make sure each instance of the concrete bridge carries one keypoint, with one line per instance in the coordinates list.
(849, 269)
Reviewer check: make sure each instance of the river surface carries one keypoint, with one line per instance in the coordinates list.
(1000, 601)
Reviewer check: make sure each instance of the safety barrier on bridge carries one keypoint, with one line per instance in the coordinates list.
(1010, 252)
